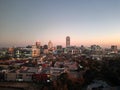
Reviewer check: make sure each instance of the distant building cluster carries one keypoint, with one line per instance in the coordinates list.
(48, 63)
(32, 51)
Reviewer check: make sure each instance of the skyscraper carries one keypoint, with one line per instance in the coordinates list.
(67, 41)
(50, 45)
(38, 44)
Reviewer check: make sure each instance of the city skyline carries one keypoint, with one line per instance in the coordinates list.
(87, 22)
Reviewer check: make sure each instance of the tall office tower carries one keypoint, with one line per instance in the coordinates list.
(38, 44)
(50, 45)
(67, 41)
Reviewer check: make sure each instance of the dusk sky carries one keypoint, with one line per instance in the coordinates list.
(87, 22)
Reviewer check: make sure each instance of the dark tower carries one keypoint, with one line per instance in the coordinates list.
(67, 41)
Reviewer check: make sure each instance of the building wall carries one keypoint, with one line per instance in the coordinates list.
(67, 41)
(16, 77)
(35, 51)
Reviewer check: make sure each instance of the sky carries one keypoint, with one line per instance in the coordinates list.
(87, 22)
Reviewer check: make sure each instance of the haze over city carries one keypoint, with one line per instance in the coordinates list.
(87, 22)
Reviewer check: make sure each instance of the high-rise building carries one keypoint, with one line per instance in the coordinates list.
(38, 44)
(45, 46)
(45, 51)
(50, 45)
(67, 41)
